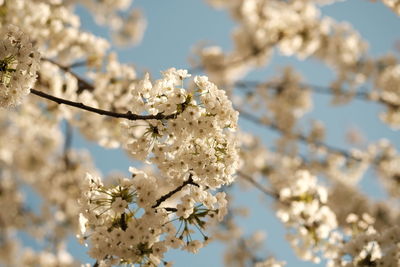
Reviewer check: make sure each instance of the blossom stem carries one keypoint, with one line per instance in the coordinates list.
(176, 190)
(128, 115)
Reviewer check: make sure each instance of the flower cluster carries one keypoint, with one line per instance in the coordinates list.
(111, 91)
(55, 30)
(13, 217)
(284, 97)
(389, 93)
(126, 29)
(295, 27)
(302, 206)
(19, 62)
(194, 137)
(388, 167)
(184, 128)
(367, 247)
(131, 29)
(132, 223)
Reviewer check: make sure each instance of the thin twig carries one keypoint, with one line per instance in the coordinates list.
(67, 143)
(326, 90)
(68, 137)
(254, 259)
(82, 83)
(302, 138)
(176, 190)
(258, 186)
(128, 115)
(77, 64)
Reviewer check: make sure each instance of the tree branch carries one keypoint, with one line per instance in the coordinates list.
(82, 83)
(176, 190)
(67, 143)
(364, 96)
(128, 115)
(77, 64)
(302, 138)
(171, 209)
(258, 186)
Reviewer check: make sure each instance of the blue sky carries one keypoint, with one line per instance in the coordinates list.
(174, 26)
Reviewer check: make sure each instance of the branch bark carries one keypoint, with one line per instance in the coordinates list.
(128, 115)
(173, 192)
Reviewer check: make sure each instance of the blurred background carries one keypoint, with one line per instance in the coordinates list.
(174, 27)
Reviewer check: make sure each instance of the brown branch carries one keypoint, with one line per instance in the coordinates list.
(82, 83)
(302, 138)
(364, 96)
(128, 115)
(255, 52)
(171, 209)
(68, 138)
(77, 64)
(258, 186)
(176, 190)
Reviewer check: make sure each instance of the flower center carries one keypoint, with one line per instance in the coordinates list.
(7, 66)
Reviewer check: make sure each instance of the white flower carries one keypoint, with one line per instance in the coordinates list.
(174, 242)
(196, 138)
(119, 205)
(131, 30)
(194, 246)
(159, 249)
(184, 211)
